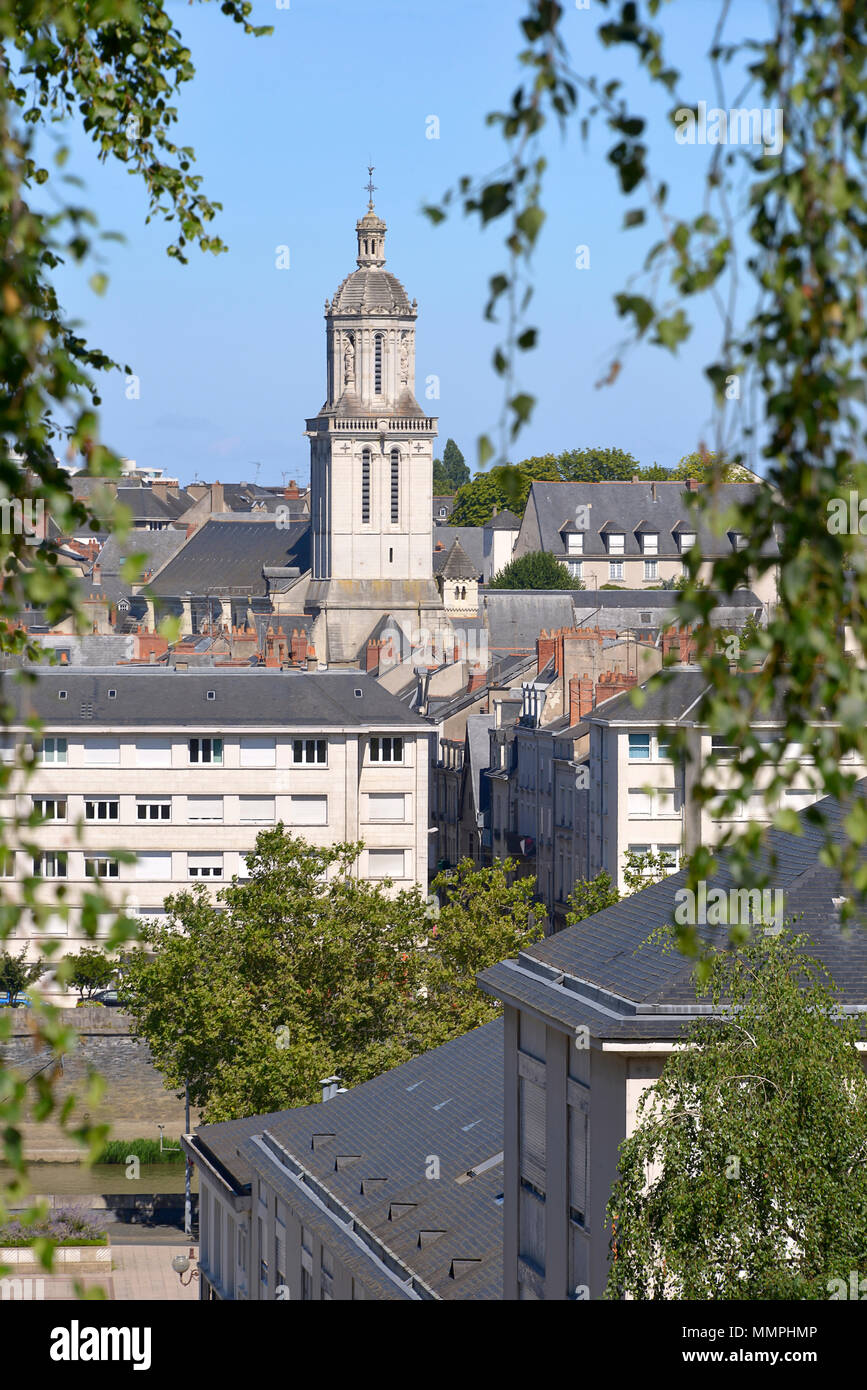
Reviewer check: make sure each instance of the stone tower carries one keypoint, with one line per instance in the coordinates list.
(371, 460)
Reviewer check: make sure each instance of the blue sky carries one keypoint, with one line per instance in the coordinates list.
(230, 351)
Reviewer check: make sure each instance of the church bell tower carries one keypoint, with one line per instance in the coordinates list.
(371, 455)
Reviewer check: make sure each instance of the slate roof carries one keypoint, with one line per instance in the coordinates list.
(677, 698)
(225, 557)
(504, 521)
(457, 564)
(472, 543)
(147, 505)
(606, 973)
(479, 753)
(160, 696)
(368, 289)
(623, 507)
(515, 617)
(447, 1102)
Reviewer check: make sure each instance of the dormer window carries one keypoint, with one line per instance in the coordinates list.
(687, 540)
(650, 542)
(739, 540)
(575, 542)
(615, 542)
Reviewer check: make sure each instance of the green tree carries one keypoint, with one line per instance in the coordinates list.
(745, 1176)
(304, 971)
(589, 896)
(16, 973)
(484, 918)
(706, 465)
(536, 570)
(450, 472)
(599, 466)
(88, 971)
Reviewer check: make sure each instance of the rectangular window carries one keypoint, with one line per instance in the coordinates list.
(258, 752)
(53, 750)
(615, 569)
(576, 568)
(669, 858)
(153, 752)
(205, 808)
(308, 810)
(663, 748)
(310, 750)
(639, 748)
(205, 865)
(385, 863)
(665, 802)
(100, 866)
(7, 863)
(101, 752)
(687, 540)
(257, 810)
(153, 808)
(50, 865)
(651, 569)
(386, 750)
(615, 543)
(575, 542)
(640, 803)
(50, 808)
(385, 806)
(365, 486)
(206, 750)
(156, 867)
(650, 541)
(106, 808)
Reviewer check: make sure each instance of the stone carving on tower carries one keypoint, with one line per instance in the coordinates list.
(371, 459)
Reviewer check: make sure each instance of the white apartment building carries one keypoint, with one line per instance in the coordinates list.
(182, 770)
(640, 799)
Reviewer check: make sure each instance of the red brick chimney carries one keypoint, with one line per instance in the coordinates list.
(371, 655)
(478, 679)
(614, 683)
(692, 485)
(270, 658)
(299, 647)
(545, 645)
(291, 492)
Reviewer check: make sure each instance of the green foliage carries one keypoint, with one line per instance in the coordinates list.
(642, 870)
(111, 68)
(708, 467)
(754, 1137)
(536, 570)
(16, 973)
(591, 895)
(508, 485)
(145, 1150)
(89, 970)
(450, 472)
(788, 378)
(304, 971)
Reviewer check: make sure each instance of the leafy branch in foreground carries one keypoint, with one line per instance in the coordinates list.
(788, 385)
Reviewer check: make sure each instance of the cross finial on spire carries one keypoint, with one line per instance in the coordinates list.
(370, 186)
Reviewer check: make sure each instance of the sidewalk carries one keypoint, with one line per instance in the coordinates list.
(143, 1271)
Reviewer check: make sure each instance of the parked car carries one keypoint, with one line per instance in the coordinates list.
(108, 997)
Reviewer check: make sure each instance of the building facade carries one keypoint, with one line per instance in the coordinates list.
(182, 769)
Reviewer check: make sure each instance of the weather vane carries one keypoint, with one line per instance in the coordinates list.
(370, 186)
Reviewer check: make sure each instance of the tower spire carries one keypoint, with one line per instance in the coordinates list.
(370, 186)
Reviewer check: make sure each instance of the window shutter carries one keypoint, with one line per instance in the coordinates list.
(532, 1138)
(578, 1161)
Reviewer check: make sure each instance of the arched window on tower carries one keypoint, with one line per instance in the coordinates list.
(395, 486)
(377, 364)
(365, 486)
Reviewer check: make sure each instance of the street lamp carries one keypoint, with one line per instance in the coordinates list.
(180, 1264)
